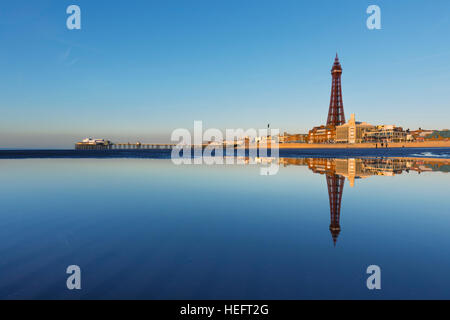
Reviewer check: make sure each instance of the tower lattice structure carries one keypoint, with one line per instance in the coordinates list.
(336, 115)
(335, 189)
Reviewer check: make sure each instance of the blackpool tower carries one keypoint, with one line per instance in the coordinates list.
(335, 189)
(336, 111)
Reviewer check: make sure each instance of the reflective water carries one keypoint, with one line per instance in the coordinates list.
(145, 228)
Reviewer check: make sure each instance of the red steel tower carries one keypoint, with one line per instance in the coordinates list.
(335, 189)
(336, 112)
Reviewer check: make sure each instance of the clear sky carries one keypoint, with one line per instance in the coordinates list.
(139, 69)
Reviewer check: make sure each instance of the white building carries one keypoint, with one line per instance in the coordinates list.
(94, 141)
(352, 131)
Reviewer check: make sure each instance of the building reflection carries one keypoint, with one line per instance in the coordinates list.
(337, 170)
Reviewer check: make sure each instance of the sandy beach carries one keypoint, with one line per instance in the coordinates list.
(427, 144)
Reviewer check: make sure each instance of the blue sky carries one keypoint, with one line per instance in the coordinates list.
(139, 69)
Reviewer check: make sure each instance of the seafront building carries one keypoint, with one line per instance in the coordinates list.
(422, 135)
(443, 135)
(352, 131)
(418, 135)
(385, 134)
(293, 138)
(322, 134)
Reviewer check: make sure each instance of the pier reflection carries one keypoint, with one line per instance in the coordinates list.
(337, 171)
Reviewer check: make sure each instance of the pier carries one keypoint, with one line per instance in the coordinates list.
(123, 146)
(139, 145)
(132, 146)
(103, 144)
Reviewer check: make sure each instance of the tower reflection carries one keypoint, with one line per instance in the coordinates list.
(337, 170)
(335, 188)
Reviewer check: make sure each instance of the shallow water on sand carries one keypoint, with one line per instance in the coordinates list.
(146, 228)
